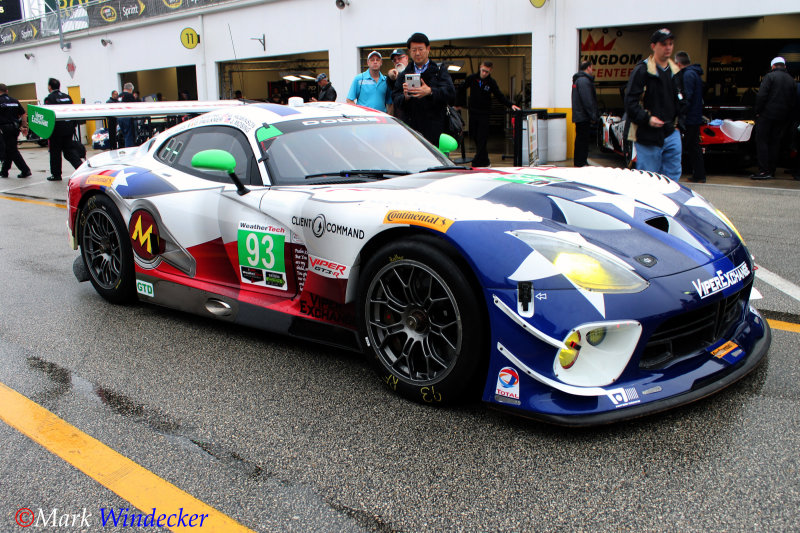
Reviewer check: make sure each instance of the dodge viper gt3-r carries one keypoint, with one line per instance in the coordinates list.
(577, 296)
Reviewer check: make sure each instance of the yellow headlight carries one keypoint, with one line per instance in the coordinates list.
(588, 273)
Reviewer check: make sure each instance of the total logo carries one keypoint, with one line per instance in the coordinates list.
(508, 383)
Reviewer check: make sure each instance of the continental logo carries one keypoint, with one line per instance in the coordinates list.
(419, 218)
(145, 236)
(99, 179)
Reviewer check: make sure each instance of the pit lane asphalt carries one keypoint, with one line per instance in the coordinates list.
(288, 436)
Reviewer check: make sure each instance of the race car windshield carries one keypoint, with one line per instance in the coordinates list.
(323, 150)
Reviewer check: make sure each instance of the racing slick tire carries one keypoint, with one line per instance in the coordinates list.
(106, 250)
(422, 322)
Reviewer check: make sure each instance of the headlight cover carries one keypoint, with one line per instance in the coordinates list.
(586, 265)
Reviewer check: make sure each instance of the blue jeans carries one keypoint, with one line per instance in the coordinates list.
(662, 159)
(126, 127)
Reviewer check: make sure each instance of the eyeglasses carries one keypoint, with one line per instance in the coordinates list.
(417, 50)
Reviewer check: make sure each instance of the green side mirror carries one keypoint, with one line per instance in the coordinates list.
(447, 143)
(214, 160)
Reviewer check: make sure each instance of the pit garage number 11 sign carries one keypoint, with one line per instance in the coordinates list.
(189, 38)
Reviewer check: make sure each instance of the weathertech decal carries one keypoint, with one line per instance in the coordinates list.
(329, 269)
(261, 255)
(145, 235)
(721, 281)
(419, 218)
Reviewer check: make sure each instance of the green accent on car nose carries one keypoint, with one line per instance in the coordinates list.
(41, 121)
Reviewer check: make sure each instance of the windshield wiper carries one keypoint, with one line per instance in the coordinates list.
(377, 172)
(446, 167)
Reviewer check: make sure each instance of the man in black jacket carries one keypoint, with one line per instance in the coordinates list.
(12, 121)
(584, 111)
(326, 91)
(774, 105)
(424, 108)
(481, 88)
(653, 102)
(61, 139)
(692, 117)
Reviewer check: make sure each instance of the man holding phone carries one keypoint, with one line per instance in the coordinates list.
(426, 91)
(370, 88)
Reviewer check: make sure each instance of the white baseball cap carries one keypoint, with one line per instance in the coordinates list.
(777, 60)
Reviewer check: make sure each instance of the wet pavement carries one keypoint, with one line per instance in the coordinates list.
(284, 435)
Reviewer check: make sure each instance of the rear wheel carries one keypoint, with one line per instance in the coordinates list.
(106, 250)
(422, 321)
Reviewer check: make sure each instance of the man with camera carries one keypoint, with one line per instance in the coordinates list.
(426, 91)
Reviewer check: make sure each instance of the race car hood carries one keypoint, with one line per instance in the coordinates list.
(652, 223)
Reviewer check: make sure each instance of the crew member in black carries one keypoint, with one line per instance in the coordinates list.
(111, 122)
(774, 105)
(61, 140)
(482, 86)
(12, 121)
(584, 111)
(326, 91)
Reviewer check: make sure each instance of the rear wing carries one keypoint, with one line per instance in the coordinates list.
(42, 118)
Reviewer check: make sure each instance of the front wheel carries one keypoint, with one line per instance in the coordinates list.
(106, 250)
(422, 321)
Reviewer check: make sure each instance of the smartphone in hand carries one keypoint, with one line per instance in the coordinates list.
(413, 81)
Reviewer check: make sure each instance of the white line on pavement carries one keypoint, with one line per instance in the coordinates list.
(778, 282)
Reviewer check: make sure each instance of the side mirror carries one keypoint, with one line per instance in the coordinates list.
(215, 159)
(447, 143)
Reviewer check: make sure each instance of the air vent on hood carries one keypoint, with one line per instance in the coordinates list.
(660, 223)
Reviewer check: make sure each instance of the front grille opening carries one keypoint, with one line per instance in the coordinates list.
(688, 333)
(660, 223)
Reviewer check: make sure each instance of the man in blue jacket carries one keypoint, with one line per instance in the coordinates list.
(692, 118)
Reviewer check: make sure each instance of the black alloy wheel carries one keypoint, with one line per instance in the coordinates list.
(106, 250)
(422, 321)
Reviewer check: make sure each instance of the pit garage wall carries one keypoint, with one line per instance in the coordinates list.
(230, 32)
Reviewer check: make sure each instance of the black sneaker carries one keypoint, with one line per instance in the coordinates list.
(3, 175)
(25, 174)
(53, 178)
(761, 176)
(697, 180)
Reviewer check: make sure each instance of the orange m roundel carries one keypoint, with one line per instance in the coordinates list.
(144, 235)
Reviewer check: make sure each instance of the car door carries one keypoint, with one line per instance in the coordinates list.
(227, 245)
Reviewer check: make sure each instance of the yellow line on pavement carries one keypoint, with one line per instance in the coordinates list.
(31, 201)
(132, 482)
(785, 326)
